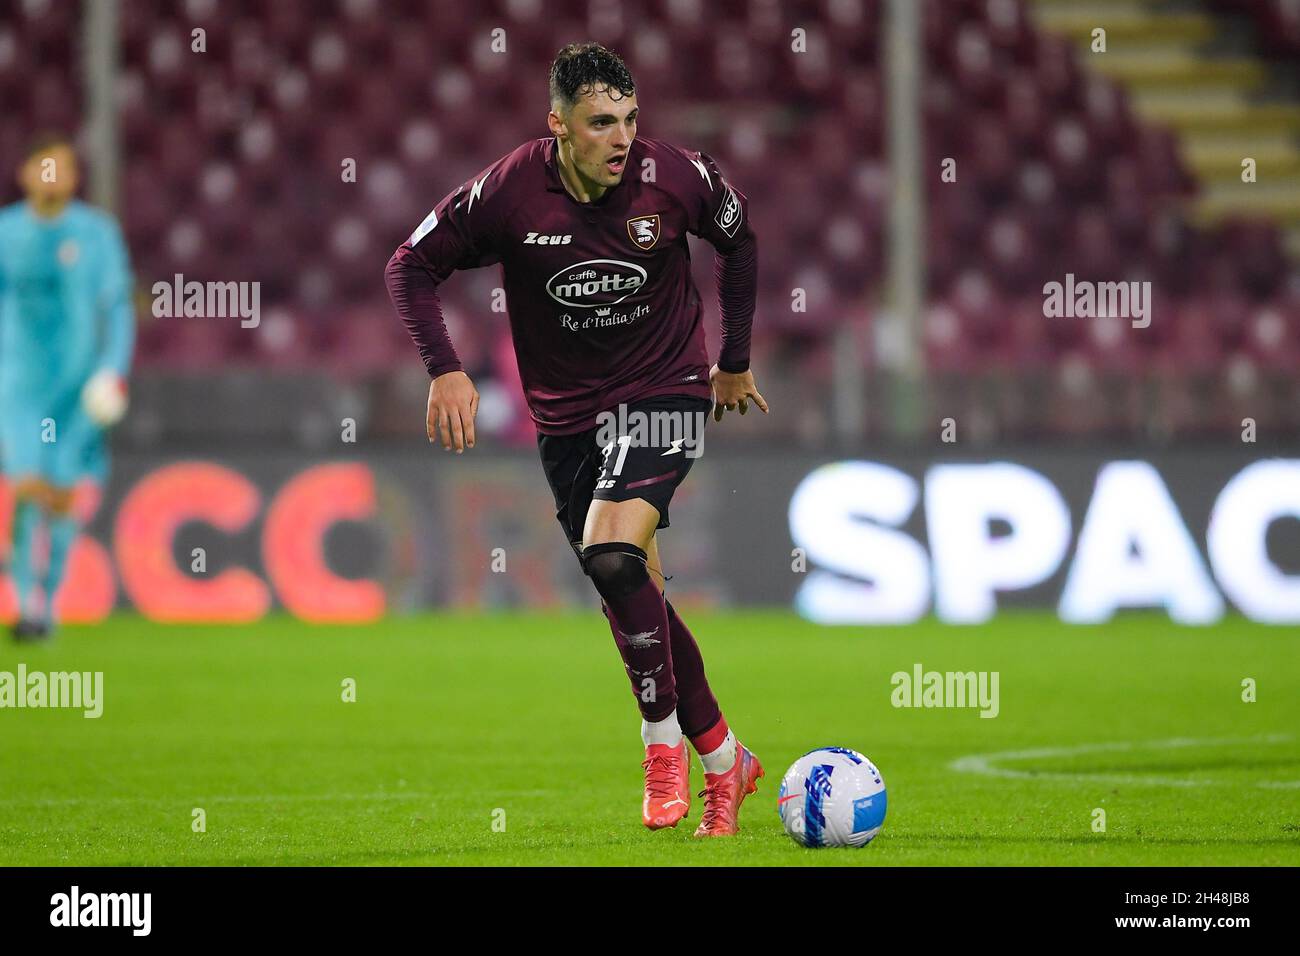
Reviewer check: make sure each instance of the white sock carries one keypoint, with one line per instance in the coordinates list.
(666, 731)
(722, 759)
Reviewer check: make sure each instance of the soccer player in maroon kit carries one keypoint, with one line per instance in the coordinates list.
(605, 319)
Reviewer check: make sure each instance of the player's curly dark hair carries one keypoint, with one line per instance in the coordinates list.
(582, 66)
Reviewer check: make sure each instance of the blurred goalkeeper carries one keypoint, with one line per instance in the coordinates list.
(590, 226)
(66, 335)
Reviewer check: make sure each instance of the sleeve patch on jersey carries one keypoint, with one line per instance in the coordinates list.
(729, 214)
(424, 228)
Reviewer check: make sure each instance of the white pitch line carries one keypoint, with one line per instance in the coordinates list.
(985, 764)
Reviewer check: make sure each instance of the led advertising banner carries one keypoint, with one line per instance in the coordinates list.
(843, 541)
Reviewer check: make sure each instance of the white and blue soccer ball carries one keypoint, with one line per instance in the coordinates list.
(832, 797)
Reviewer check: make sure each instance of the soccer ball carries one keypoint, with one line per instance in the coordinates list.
(104, 398)
(832, 797)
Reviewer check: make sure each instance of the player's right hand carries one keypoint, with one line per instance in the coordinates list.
(453, 403)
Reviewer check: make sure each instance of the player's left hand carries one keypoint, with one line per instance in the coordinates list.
(104, 398)
(733, 390)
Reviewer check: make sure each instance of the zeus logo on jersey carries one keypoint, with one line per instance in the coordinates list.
(541, 240)
(596, 282)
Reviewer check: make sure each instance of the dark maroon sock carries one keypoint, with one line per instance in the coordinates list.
(697, 708)
(640, 630)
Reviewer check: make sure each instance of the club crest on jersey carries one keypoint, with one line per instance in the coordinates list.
(643, 231)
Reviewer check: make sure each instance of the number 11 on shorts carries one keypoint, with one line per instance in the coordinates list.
(624, 442)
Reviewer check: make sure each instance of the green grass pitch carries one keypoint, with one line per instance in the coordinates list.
(466, 720)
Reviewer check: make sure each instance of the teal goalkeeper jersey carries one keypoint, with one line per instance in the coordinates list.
(65, 303)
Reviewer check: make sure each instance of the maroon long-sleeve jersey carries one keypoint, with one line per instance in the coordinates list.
(602, 306)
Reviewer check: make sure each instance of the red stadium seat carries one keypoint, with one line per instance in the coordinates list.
(232, 168)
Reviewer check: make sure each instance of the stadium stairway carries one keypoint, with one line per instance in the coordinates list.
(1199, 73)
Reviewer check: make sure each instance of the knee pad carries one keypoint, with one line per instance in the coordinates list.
(616, 568)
